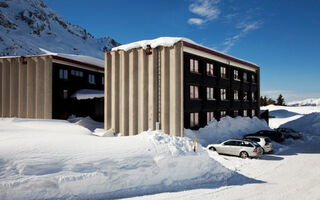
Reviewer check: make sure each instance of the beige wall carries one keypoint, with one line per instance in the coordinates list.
(26, 87)
(132, 97)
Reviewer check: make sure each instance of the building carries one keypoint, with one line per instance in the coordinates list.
(174, 83)
(42, 87)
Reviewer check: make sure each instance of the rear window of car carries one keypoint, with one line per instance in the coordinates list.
(246, 144)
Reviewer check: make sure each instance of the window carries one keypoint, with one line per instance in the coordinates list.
(245, 77)
(253, 78)
(210, 93)
(223, 94)
(91, 79)
(223, 72)
(223, 113)
(236, 95)
(102, 80)
(194, 92)
(194, 119)
(253, 113)
(65, 94)
(236, 75)
(194, 66)
(235, 113)
(81, 74)
(76, 73)
(63, 74)
(72, 72)
(245, 96)
(245, 113)
(210, 69)
(253, 96)
(210, 116)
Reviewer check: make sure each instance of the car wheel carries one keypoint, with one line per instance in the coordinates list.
(244, 154)
(212, 148)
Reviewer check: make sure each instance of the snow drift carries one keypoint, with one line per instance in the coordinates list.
(44, 159)
(227, 128)
(309, 123)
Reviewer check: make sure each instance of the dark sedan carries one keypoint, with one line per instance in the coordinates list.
(273, 135)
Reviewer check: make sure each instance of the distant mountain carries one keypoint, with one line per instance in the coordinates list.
(306, 102)
(28, 25)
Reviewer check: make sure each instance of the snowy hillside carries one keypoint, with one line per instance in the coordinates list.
(27, 25)
(306, 102)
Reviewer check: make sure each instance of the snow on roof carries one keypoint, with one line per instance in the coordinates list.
(88, 94)
(167, 42)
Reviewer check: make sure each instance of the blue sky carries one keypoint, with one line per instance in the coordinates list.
(281, 36)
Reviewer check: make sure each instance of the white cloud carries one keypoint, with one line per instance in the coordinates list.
(196, 21)
(208, 9)
(245, 28)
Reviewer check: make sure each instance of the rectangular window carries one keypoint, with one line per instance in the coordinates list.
(194, 92)
(253, 78)
(65, 94)
(223, 94)
(253, 96)
(210, 94)
(245, 96)
(63, 74)
(235, 113)
(81, 74)
(223, 113)
(210, 69)
(236, 95)
(253, 113)
(194, 119)
(91, 79)
(223, 72)
(236, 75)
(102, 80)
(245, 113)
(210, 116)
(194, 66)
(72, 72)
(245, 77)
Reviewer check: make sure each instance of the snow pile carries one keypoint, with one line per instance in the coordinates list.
(306, 102)
(55, 159)
(161, 41)
(88, 94)
(86, 122)
(309, 123)
(227, 128)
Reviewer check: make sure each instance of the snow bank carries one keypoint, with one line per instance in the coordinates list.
(227, 128)
(88, 94)
(55, 159)
(86, 122)
(309, 123)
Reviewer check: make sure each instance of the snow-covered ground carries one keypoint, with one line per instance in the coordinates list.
(57, 159)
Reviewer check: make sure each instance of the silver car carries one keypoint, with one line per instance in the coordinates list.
(242, 148)
(264, 142)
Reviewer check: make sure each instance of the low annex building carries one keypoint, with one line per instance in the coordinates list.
(177, 84)
(43, 86)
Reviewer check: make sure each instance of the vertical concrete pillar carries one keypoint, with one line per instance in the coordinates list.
(107, 90)
(152, 89)
(115, 91)
(165, 90)
(181, 91)
(39, 88)
(133, 92)
(48, 88)
(5, 88)
(31, 83)
(14, 78)
(142, 91)
(124, 93)
(22, 110)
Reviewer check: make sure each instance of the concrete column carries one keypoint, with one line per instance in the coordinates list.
(5, 88)
(142, 91)
(152, 89)
(39, 88)
(165, 90)
(14, 78)
(48, 88)
(31, 65)
(115, 92)
(107, 90)
(22, 110)
(124, 93)
(133, 92)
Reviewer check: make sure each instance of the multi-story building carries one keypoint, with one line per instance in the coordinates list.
(172, 84)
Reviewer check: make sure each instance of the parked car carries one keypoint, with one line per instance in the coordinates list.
(264, 142)
(273, 135)
(289, 133)
(241, 148)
